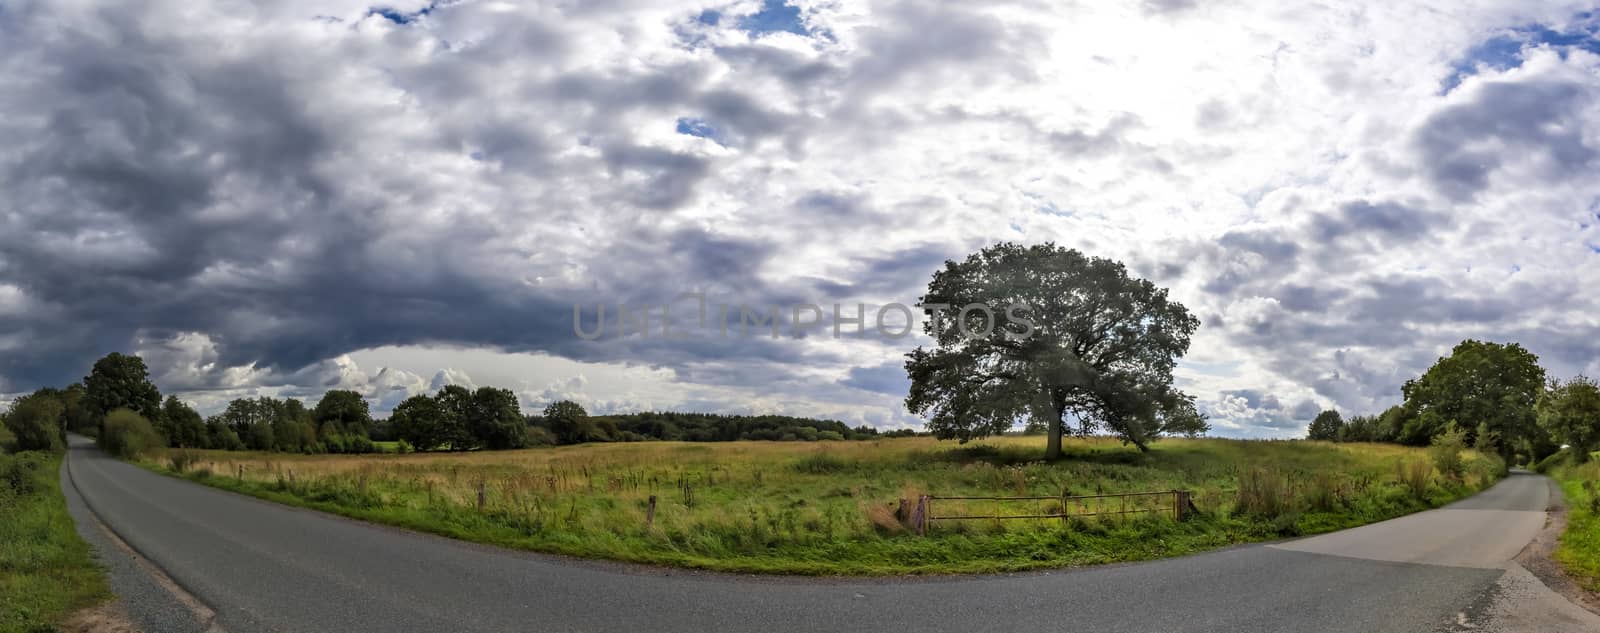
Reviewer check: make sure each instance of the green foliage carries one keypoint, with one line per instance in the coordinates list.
(46, 570)
(1366, 428)
(1445, 451)
(1099, 349)
(417, 421)
(1417, 477)
(1570, 413)
(456, 406)
(120, 381)
(346, 411)
(78, 414)
(182, 425)
(570, 423)
(1327, 427)
(37, 422)
(496, 419)
(1478, 383)
(128, 435)
(715, 427)
(1579, 552)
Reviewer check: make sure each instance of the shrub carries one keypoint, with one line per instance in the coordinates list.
(1445, 450)
(540, 436)
(36, 422)
(403, 447)
(128, 434)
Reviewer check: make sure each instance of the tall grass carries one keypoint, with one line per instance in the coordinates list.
(834, 507)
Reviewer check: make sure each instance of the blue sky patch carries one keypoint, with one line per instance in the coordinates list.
(400, 17)
(709, 17)
(1503, 52)
(775, 16)
(698, 127)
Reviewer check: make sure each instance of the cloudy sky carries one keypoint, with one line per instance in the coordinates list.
(286, 197)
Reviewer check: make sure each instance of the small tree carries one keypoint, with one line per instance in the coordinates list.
(1327, 427)
(1445, 449)
(1049, 333)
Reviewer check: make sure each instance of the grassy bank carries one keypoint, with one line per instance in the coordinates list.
(1579, 552)
(830, 507)
(46, 570)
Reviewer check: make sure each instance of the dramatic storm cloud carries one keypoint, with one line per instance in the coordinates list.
(289, 197)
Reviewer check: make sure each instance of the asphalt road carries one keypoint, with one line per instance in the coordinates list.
(264, 567)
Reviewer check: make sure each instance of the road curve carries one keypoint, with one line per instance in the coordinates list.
(265, 567)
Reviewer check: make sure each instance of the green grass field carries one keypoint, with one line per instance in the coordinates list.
(1579, 552)
(829, 507)
(46, 571)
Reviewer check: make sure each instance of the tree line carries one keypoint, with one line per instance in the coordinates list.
(118, 404)
(1496, 396)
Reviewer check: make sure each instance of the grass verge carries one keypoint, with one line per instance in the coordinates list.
(1579, 552)
(46, 569)
(829, 508)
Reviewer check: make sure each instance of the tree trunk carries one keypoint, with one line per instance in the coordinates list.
(1052, 448)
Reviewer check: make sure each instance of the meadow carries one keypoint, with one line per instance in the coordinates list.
(834, 507)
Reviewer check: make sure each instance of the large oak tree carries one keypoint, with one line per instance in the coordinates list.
(1067, 339)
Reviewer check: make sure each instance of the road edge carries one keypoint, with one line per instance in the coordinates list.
(1538, 556)
(162, 601)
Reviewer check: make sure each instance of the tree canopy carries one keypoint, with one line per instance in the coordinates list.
(1478, 384)
(1328, 427)
(1570, 413)
(121, 381)
(1064, 338)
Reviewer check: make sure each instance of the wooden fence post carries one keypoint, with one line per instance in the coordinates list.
(919, 516)
(482, 498)
(650, 513)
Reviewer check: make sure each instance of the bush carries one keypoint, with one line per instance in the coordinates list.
(403, 447)
(36, 422)
(19, 475)
(128, 434)
(1446, 452)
